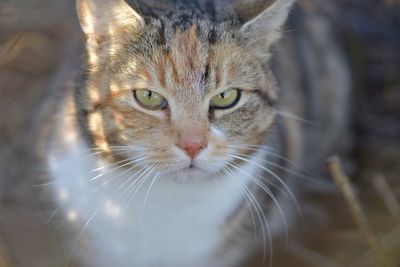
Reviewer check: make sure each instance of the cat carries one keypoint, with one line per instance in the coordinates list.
(170, 151)
(173, 114)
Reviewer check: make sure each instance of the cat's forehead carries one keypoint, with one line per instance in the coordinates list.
(186, 55)
(183, 56)
(185, 62)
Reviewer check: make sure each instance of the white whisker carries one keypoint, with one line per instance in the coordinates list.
(269, 153)
(288, 170)
(43, 185)
(292, 116)
(55, 212)
(127, 181)
(262, 218)
(270, 194)
(225, 170)
(118, 167)
(148, 191)
(111, 165)
(141, 183)
(276, 177)
(80, 236)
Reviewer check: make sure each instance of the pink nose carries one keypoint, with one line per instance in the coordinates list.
(192, 146)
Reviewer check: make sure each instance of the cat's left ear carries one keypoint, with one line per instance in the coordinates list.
(104, 20)
(263, 22)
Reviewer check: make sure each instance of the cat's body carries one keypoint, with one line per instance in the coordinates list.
(185, 184)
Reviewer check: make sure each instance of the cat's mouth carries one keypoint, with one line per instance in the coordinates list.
(192, 167)
(190, 170)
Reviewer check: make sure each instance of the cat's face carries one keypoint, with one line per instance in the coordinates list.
(180, 98)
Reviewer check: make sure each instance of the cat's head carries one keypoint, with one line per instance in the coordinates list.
(181, 89)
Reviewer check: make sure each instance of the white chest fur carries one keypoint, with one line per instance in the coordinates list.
(171, 225)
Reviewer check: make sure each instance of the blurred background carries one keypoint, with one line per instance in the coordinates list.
(40, 40)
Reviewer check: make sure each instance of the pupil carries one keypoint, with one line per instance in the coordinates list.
(149, 94)
(223, 95)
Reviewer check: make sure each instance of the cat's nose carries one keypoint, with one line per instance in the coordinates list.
(192, 145)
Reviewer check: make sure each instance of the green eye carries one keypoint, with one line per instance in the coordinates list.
(150, 100)
(226, 99)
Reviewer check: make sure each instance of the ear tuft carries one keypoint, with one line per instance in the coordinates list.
(249, 9)
(264, 28)
(103, 18)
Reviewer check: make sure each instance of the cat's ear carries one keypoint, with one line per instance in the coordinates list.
(263, 20)
(104, 19)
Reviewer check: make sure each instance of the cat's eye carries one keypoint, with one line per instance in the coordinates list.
(226, 99)
(150, 100)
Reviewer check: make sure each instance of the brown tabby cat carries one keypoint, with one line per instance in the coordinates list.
(169, 152)
(175, 106)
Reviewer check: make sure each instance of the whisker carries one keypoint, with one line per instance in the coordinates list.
(225, 171)
(265, 147)
(262, 219)
(127, 181)
(288, 170)
(93, 240)
(276, 177)
(132, 148)
(55, 212)
(292, 116)
(110, 179)
(83, 152)
(80, 235)
(140, 184)
(118, 167)
(300, 173)
(42, 185)
(150, 187)
(270, 153)
(270, 194)
(136, 181)
(113, 164)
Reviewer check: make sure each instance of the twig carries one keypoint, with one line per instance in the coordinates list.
(343, 183)
(388, 242)
(387, 195)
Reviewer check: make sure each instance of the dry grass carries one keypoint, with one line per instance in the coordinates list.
(380, 256)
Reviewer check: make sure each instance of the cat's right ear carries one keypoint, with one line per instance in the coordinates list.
(263, 20)
(105, 20)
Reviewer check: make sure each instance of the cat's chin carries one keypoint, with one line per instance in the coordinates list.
(190, 174)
